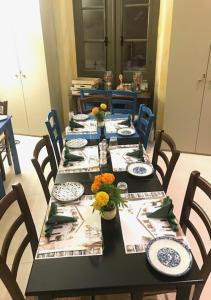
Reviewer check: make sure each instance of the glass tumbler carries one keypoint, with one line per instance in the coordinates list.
(123, 188)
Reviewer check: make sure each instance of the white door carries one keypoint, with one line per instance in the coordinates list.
(10, 82)
(189, 51)
(31, 55)
(203, 144)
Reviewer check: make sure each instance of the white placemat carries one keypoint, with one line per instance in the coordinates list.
(90, 126)
(119, 158)
(89, 164)
(137, 228)
(82, 238)
(112, 126)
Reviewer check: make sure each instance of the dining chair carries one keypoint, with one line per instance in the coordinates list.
(92, 97)
(55, 133)
(144, 123)
(124, 102)
(162, 163)
(8, 275)
(190, 222)
(4, 143)
(45, 164)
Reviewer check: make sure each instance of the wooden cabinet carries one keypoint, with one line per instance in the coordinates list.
(23, 73)
(187, 107)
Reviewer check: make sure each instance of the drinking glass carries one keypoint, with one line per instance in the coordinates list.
(122, 185)
(113, 141)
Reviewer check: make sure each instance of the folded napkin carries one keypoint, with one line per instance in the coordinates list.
(165, 212)
(68, 157)
(137, 153)
(73, 124)
(126, 122)
(54, 219)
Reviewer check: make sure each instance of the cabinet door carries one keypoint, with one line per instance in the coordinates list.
(31, 55)
(10, 83)
(189, 51)
(203, 144)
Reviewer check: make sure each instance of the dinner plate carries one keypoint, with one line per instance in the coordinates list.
(76, 143)
(169, 256)
(140, 169)
(126, 131)
(3, 117)
(68, 191)
(80, 117)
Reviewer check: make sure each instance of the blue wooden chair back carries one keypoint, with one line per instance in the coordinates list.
(144, 124)
(55, 133)
(92, 97)
(124, 102)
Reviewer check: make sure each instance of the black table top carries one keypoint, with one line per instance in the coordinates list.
(114, 271)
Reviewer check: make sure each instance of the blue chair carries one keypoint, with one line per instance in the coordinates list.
(144, 124)
(124, 102)
(55, 133)
(92, 97)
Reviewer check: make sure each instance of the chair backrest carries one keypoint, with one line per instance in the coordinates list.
(124, 102)
(189, 205)
(92, 97)
(160, 160)
(144, 124)
(8, 274)
(3, 107)
(45, 166)
(55, 133)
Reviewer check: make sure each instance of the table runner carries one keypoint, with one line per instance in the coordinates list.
(89, 164)
(82, 238)
(137, 228)
(119, 158)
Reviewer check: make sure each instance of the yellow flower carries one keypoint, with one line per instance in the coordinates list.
(102, 198)
(103, 106)
(95, 110)
(96, 205)
(107, 178)
(95, 187)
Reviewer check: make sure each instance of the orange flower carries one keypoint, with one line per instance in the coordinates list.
(98, 178)
(103, 106)
(95, 187)
(95, 110)
(107, 178)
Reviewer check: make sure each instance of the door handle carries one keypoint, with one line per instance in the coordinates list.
(203, 78)
(122, 40)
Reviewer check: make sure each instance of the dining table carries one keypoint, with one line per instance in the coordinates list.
(6, 126)
(113, 271)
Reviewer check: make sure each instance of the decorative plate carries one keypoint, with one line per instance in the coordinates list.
(76, 143)
(126, 131)
(80, 117)
(3, 117)
(68, 191)
(140, 169)
(169, 256)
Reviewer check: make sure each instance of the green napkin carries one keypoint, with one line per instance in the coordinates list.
(165, 212)
(54, 219)
(126, 122)
(137, 153)
(73, 124)
(68, 157)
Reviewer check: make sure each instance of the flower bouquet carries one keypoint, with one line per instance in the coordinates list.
(107, 196)
(99, 112)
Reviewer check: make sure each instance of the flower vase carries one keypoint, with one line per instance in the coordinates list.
(101, 124)
(109, 214)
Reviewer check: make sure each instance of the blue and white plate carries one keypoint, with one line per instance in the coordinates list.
(68, 191)
(140, 169)
(80, 117)
(126, 131)
(77, 143)
(3, 117)
(169, 256)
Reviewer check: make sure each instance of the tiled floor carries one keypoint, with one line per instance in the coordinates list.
(36, 200)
